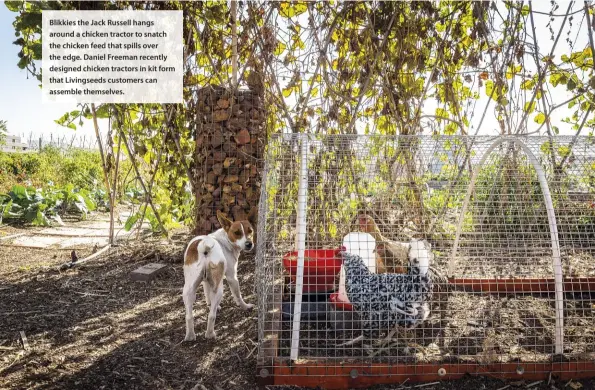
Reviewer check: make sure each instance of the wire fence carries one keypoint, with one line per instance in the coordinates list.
(463, 254)
(36, 142)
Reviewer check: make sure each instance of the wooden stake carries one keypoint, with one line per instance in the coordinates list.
(234, 44)
(24, 340)
(105, 171)
(114, 192)
(93, 256)
(139, 177)
(12, 236)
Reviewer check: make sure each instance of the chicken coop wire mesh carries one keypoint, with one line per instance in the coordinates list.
(475, 256)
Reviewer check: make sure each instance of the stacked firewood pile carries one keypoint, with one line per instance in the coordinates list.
(230, 136)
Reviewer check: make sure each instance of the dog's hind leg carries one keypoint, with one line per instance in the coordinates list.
(207, 291)
(215, 298)
(191, 282)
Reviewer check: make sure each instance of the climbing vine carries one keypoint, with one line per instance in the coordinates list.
(348, 68)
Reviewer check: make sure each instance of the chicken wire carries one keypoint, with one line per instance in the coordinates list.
(498, 305)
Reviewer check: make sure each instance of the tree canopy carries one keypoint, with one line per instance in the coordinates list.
(353, 67)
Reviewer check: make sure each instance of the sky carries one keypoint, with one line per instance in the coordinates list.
(20, 97)
(21, 102)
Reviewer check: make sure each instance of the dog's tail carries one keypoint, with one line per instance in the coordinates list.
(205, 246)
(211, 269)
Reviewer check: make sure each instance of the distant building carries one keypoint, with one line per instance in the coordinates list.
(13, 143)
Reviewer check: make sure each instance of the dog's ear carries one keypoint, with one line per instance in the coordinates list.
(223, 220)
(253, 216)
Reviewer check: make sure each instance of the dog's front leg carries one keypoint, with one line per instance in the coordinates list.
(234, 286)
(215, 298)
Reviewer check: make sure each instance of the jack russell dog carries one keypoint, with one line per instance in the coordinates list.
(207, 260)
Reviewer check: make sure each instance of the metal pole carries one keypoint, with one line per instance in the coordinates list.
(301, 247)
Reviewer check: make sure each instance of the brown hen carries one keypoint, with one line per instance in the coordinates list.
(393, 255)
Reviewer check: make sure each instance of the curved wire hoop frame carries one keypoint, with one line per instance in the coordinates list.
(551, 215)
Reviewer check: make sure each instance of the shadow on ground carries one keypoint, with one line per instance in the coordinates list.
(91, 327)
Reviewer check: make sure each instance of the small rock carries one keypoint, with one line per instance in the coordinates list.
(219, 156)
(223, 103)
(228, 161)
(147, 272)
(218, 168)
(220, 115)
(243, 137)
(216, 140)
(231, 179)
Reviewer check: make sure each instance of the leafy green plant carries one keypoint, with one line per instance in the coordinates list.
(28, 205)
(78, 200)
(43, 207)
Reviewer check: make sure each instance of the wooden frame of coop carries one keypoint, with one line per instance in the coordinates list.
(279, 360)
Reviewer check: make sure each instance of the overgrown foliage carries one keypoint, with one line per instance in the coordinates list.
(345, 68)
(53, 166)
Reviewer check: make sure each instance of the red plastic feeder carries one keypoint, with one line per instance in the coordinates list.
(340, 304)
(321, 266)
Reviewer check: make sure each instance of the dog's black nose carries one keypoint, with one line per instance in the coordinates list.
(249, 245)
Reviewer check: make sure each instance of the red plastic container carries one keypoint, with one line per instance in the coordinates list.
(321, 267)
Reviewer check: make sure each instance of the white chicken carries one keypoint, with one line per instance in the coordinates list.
(390, 301)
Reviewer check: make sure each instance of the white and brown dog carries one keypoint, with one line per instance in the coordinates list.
(207, 260)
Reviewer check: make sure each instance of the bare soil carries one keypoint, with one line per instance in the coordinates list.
(91, 327)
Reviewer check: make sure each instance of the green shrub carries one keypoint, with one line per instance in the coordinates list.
(81, 168)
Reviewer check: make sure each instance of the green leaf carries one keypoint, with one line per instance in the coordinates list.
(529, 108)
(525, 10)
(13, 6)
(288, 10)
(20, 192)
(558, 78)
(441, 113)
(451, 129)
(130, 222)
(103, 111)
(287, 92)
(540, 118)
(280, 48)
(564, 150)
(490, 90)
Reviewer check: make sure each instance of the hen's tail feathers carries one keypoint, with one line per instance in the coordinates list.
(440, 281)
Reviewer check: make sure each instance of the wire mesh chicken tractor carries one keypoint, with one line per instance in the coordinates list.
(383, 259)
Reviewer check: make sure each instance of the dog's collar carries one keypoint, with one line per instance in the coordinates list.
(222, 236)
(233, 245)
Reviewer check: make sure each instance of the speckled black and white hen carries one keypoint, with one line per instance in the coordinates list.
(387, 301)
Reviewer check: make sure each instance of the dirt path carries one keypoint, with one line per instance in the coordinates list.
(92, 328)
